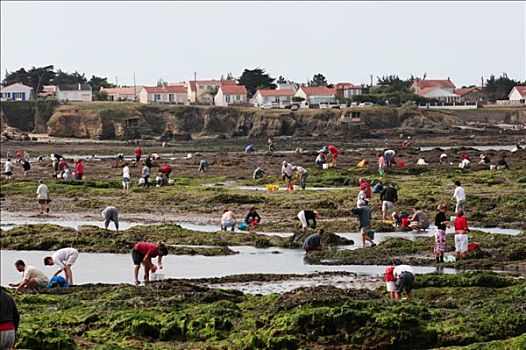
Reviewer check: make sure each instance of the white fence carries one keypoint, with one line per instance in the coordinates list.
(449, 106)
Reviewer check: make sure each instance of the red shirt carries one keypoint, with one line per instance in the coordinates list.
(138, 151)
(79, 168)
(333, 150)
(461, 224)
(147, 249)
(7, 326)
(389, 275)
(165, 169)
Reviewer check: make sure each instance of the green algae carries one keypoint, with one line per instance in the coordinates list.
(468, 309)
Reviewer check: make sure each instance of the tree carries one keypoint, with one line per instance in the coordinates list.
(36, 77)
(499, 88)
(318, 80)
(99, 82)
(254, 79)
(161, 82)
(69, 78)
(394, 83)
(99, 95)
(281, 80)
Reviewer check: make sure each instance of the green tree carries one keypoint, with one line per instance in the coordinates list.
(318, 80)
(99, 82)
(254, 79)
(99, 95)
(69, 78)
(281, 80)
(499, 88)
(392, 83)
(36, 77)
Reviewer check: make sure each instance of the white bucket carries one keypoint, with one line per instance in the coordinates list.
(157, 276)
(325, 166)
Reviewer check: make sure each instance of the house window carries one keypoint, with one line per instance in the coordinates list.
(171, 97)
(157, 97)
(227, 98)
(238, 97)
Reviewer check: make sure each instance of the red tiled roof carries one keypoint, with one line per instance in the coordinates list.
(344, 85)
(233, 89)
(465, 91)
(521, 90)
(269, 92)
(175, 89)
(441, 83)
(192, 85)
(228, 82)
(318, 91)
(130, 90)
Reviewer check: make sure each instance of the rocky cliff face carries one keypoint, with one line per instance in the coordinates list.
(109, 121)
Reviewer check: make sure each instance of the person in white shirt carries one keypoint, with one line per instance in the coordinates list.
(228, 220)
(32, 278)
(43, 197)
(460, 196)
(64, 258)
(126, 178)
(8, 169)
(405, 280)
(286, 173)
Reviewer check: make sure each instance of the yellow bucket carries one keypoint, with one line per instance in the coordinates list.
(272, 187)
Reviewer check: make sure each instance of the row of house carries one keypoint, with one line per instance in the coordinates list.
(63, 92)
(227, 92)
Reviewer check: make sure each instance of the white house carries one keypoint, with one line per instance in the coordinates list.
(348, 90)
(277, 97)
(203, 91)
(16, 92)
(230, 95)
(128, 93)
(517, 94)
(287, 86)
(175, 94)
(439, 94)
(74, 92)
(315, 95)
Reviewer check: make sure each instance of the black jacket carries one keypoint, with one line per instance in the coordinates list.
(8, 310)
(389, 194)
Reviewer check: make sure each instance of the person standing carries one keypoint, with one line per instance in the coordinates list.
(302, 175)
(405, 280)
(9, 320)
(138, 153)
(390, 280)
(146, 175)
(8, 169)
(32, 278)
(126, 178)
(43, 197)
(334, 152)
(79, 170)
(64, 258)
(313, 242)
(286, 173)
(441, 223)
(381, 164)
(110, 213)
(461, 235)
(142, 254)
(366, 188)
(460, 196)
(364, 220)
(389, 197)
(271, 147)
(305, 216)
(26, 166)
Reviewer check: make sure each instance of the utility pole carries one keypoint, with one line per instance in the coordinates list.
(371, 88)
(134, 89)
(195, 85)
(116, 80)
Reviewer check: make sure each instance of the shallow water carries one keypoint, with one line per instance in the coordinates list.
(94, 267)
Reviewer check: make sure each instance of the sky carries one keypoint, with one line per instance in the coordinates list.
(345, 41)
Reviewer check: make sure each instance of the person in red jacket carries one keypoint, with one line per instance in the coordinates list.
(366, 188)
(142, 254)
(390, 280)
(165, 170)
(138, 154)
(79, 169)
(333, 151)
(461, 235)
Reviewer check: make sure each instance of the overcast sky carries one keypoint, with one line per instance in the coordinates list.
(344, 41)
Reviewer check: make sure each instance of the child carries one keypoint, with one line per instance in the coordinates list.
(390, 281)
(461, 235)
